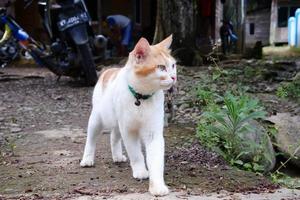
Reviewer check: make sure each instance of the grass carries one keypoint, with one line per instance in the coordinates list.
(281, 51)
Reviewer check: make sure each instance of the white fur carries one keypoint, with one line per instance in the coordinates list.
(114, 110)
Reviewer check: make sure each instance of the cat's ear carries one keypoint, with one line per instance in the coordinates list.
(141, 49)
(166, 43)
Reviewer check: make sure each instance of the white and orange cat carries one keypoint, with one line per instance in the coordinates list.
(129, 102)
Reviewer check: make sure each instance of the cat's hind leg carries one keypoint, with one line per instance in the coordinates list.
(116, 146)
(94, 129)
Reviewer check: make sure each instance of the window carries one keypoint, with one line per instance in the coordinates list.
(292, 11)
(284, 13)
(252, 28)
(282, 16)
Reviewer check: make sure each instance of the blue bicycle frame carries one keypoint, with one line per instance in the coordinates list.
(25, 41)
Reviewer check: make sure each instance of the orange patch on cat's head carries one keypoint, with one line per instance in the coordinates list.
(146, 57)
(145, 71)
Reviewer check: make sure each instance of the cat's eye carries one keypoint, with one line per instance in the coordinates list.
(173, 66)
(162, 67)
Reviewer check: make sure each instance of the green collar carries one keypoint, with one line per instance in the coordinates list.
(138, 96)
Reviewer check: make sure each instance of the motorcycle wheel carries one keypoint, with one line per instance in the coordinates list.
(88, 64)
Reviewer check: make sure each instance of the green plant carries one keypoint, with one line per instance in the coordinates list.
(278, 177)
(285, 180)
(249, 72)
(6, 148)
(207, 96)
(291, 90)
(217, 71)
(281, 92)
(221, 129)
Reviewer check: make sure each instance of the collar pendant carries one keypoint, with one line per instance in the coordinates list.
(137, 102)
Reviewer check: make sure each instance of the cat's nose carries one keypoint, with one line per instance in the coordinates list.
(173, 78)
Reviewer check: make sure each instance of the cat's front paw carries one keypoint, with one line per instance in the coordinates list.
(118, 159)
(158, 190)
(140, 174)
(87, 161)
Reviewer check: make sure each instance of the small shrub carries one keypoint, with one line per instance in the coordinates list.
(221, 129)
(207, 96)
(249, 72)
(285, 180)
(7, 147)
(289, 90)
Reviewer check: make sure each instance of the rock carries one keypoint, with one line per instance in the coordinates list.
(288, 137)
(181, 92)
(15, 130)
(297, 63)
(264, 148)
(197, 75)
(269, 62)
(250, 61)
(186, 116)
(183, 106)
(58, 98)
(270, 88)
(297, 77)
(13, 125)
(195, 115)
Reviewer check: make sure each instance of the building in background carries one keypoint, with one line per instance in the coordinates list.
(281, 10)
(257, 27)
(260, 21)
(267, 21)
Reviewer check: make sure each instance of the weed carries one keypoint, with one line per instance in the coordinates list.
(207, 96)
(285, 180)
(289, 90)
(249, 72)
(222, 128)
(7, 147)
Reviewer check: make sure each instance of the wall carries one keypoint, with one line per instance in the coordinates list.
(261, 21)
(279, 34)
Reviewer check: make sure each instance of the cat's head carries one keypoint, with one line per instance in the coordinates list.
(153, 64)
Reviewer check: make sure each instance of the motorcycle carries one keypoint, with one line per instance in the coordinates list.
(72, 41)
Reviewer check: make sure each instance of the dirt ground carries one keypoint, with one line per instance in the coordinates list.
(42, 134)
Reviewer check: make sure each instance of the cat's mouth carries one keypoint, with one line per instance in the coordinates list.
(166, 84)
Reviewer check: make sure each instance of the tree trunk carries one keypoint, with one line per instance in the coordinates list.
(234, 11)
(178, 17)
